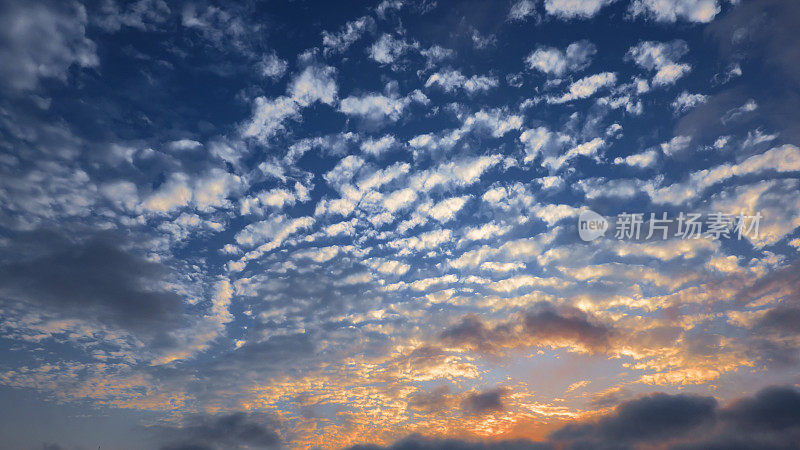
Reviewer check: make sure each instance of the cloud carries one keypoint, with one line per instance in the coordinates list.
(315, 83)
(521, 10)
(484, 402)
(686, 101)
(184, 144)
(675, 145)
(453, 174)
(376, 147)
(769, 419)
(143, 15)
(388, 5)
(545, 322)
(344, 171)
(552, 61)
(760, 35)
(269, 116)
(538, 140)
(670, 73)
(271, 231)
(543, 325)
(650, 419)
(452, 80)
(236, 430)
(399, 199)
(700, 11)
(93, 279)
(387, 49)
(378, 108)
(438, 399)
(570, 9)
(588, 149)
(780, 159)
(272, 66)
(586, 87)
(422, 241)
(734, 113)
(645, 159)
(205, 192)
(661, 57)
(40, 40)
(445, 210)
(436, 54)
(773, 199)
(422, 443)
(349, 34)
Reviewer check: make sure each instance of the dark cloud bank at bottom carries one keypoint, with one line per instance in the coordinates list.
(768, 420)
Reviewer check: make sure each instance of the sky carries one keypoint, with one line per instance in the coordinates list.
(399, 224)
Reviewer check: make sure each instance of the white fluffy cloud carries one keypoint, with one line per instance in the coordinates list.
(344, 171)
(569, 9)
(315, 83)
(589, 149)
(521, 10)
(777, 202)
(272, 66)
(645, 159)
(206, 192)
(553, 61)
(586, 87)
(785, 158)
(272, 231)
(350, 33)
(675, 145)
(661, 57)
(452, 80)
(702, 11)
(686, 101)
(376, 147)
(445, 210)
(538, 139)
(387, 49)
(379, 107)
(269, 116)
(461, 173)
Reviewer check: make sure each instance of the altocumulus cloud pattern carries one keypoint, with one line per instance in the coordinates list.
(355, 225)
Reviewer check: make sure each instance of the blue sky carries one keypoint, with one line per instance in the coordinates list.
(316, 225)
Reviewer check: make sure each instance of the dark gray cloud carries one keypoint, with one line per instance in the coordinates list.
(782, 320)
(653, 418)
(471, 330)
(768, 420)
(93, 279)
(421, 443)
(544, 324)
(773, 408)
(545, 321)
(238, 430)
(437, 399)
(484, 402)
